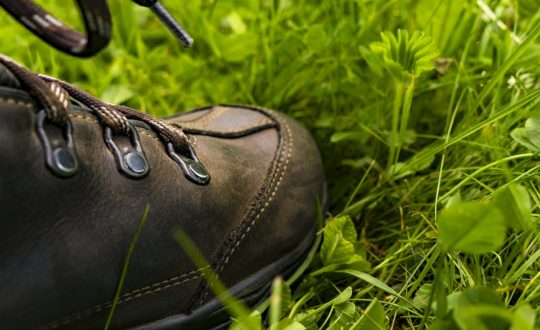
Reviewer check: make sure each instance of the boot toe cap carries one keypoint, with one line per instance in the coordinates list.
(281, 221)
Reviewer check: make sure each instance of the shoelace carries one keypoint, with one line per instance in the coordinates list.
(97, 22)
(54, 96)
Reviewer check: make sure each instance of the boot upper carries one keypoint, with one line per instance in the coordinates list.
(64, 240)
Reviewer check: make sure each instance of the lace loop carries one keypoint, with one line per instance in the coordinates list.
(55, 100)
(116, 117)
(107, 114)
(54, 96)
(169, 133)
(97, 22)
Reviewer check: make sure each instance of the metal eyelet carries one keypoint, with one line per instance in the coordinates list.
(129, 156)
(193, 169)
(60, 155)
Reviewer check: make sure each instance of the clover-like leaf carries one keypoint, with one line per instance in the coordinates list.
(528, 136)
(515, 205)
(479, 308)
(344, 316)
(524, 318)
(373, 318)
(472, 227)
(340, 248)
(421, 298)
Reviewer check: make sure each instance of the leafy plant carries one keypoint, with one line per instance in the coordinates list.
(404, 58)
(480, 308)
(480, 228)
(529, 136)
(340, 247)
(472, 227)
(400, 140)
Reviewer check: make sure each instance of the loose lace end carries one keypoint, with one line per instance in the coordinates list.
(176, 29)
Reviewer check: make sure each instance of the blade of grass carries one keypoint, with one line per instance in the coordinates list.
(125, 267)
(530, 100)
(516, 54)
(234, 306)
(276, 302)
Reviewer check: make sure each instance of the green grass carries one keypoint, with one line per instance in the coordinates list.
(416, 135)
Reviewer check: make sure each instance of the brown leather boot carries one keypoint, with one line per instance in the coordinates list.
(76, 175)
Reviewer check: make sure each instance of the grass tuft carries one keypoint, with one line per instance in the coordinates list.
(415, 129)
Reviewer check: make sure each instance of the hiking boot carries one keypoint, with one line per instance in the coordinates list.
(76, 175)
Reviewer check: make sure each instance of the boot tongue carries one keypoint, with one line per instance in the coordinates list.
(7, 79)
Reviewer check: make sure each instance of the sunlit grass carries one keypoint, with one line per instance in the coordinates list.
(395, 154)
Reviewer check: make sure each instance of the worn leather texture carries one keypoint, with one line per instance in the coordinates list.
(64, 240)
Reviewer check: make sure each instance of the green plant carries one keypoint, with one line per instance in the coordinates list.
(403, 135)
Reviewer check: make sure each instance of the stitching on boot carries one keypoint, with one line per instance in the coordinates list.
(262, 122)
(11, 101)
(156, 287)
(198, 124)
(89, 119)
(267, 199)
(213, 114)
(165, 284)
(210, 115)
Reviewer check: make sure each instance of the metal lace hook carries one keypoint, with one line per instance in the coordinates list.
(193, 169)
(129, 156)
(60, 155)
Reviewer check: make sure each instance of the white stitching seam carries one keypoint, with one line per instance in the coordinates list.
(16, 102)
(271, 196)
(177, 280)
(199, 124)
(210, 115)
(281, 173)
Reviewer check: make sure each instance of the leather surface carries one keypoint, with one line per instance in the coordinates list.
(64, 240)
(7, 78)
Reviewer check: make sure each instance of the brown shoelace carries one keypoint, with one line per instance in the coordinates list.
(97, 22)
(53, 97)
